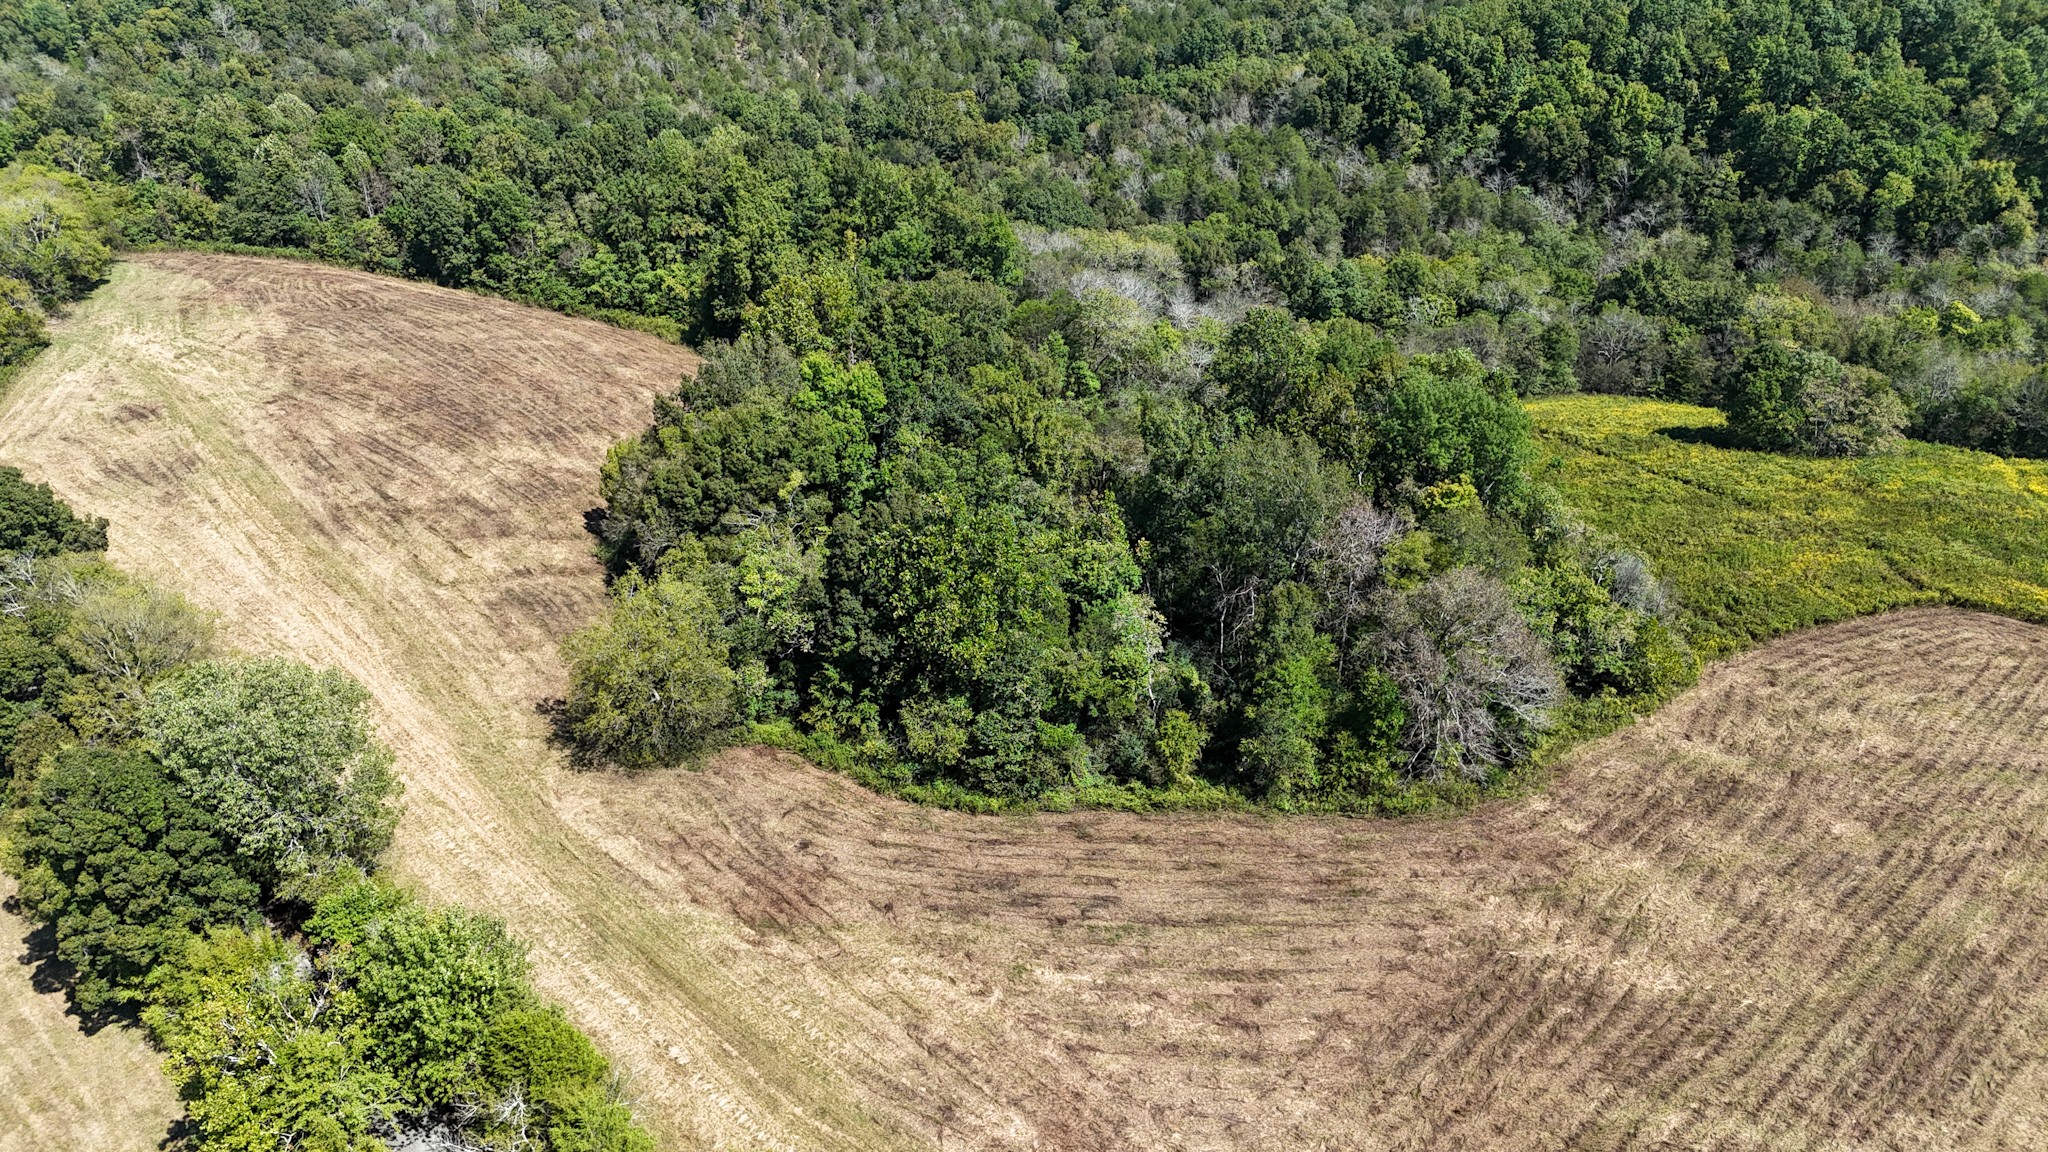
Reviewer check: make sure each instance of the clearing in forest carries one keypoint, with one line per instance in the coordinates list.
(1757, 544)
(1803, 907)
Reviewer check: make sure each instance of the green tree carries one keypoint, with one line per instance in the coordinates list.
(1293, 694)
(548, 1078)
(650, 683)
(1784, 398)
(32, 519)
(285, 755)
(55, 232)
(21, 322)
(1442, 422)
(131, 634)
(428, 986)
(263, 1050)
(125, 868)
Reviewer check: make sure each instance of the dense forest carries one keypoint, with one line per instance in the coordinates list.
(1117, 401)
(1102, 404)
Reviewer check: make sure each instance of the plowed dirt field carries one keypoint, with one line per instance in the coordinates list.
(1803, 907)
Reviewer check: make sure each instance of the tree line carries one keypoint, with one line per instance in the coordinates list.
(198, 833)
(1616, 197)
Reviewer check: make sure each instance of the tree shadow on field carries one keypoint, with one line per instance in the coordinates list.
(555, 711)
(1711, 435)
(50, 974)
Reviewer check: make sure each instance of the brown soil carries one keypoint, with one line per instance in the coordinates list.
(1801, 908)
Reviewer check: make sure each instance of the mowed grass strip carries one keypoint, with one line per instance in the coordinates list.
(1757, 544)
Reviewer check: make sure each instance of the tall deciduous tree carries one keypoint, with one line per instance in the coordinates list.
(125, 868)
(285, 755)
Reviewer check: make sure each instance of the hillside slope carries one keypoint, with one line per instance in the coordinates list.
(1802, 907)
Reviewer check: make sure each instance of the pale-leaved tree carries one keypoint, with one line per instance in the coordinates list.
(284, 755)
(1476, 681)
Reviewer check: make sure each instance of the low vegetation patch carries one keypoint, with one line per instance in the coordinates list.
(1756, 544)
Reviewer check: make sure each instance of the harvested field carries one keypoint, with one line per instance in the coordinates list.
(1803, 907)
(60, 1088)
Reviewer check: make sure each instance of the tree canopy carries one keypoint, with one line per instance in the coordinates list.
(285, 754)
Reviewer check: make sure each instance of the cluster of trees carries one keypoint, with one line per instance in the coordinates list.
(1011, 552)
(197, 833)
(1127, 393)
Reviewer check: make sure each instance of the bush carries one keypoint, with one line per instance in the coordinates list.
(649, 684)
